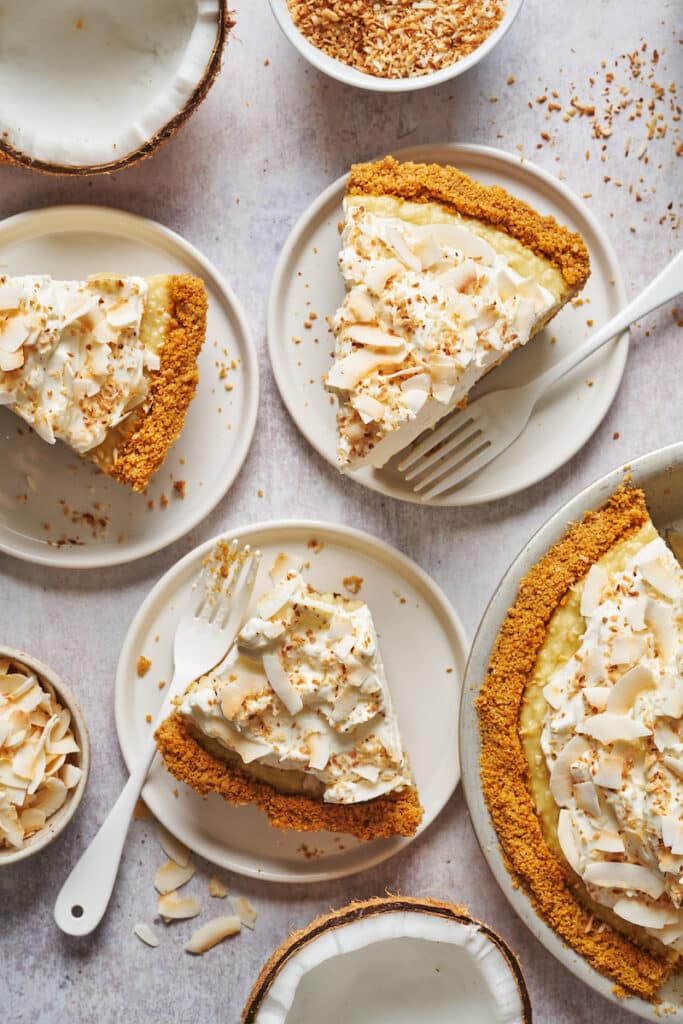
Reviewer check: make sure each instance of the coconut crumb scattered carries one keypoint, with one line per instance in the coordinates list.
(179, 487)
(353, 584)
(141, 811)
(217, 889)
(143, 666)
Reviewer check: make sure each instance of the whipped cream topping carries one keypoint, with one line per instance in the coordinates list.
(430, 307)
(35, 742)
(303, 688)
(71, 360)
(613, 743)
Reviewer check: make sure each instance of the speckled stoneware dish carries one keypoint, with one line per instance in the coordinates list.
(352, 76)
(660, 474)
(61, 818)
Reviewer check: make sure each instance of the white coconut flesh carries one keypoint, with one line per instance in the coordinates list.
(396, 968)
(88, 82)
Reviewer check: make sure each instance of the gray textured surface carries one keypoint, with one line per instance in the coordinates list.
(272, 136)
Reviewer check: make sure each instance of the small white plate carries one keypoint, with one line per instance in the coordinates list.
(424, 651)
(352, 76)
(307, 280)
(40, 482)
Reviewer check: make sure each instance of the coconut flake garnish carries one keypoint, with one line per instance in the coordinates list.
(211, 933)
(244, 910)
(660, 621)
(145, 934)
(172, 908)
(609, 772)
(627, 690)
(279, 680)
(644, 914)
(217, 889)
(172, 847)
(171, 876)
(672, 834)
(561, 782)
(593, 586)
(567, 841)
(608, 728)
(618, 875)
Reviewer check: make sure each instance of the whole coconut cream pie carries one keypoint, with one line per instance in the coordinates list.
(298, 719)
(582, 743)
(108, 366)
(445, 277)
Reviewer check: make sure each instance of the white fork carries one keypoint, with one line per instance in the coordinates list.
(469, 439)
(213, 615)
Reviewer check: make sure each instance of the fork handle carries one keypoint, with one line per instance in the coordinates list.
(666, 286)
(85, 895)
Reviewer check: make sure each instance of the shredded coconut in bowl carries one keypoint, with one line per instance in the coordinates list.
(37, 754)
(397, 38)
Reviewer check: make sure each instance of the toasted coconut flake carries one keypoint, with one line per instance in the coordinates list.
(244, 910)
(172, 876)
(217, 889)
(211, 933)
(279, 680)
(627, 690)
(608, 728)
(595, 582)
(645, 914)
(172, 847)
(561, 784)
(71, 775)
(171, 908)
(567, 841)
(672, 834)
(617, 875)
(146, 935)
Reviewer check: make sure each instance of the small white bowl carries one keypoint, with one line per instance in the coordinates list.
(57, 822)
(351, 76)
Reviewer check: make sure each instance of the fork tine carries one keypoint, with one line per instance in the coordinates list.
(236, 605)
(463, 439)
(465, 470)
(225, 592)
(449, 457)
(455, 421)
(206, 582)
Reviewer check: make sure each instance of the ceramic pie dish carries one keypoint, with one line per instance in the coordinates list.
(599, 852)
(98, 89)
(76, 762)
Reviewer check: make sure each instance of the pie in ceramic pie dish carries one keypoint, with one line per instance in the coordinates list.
(581, 731)
(298, 719)
(445, 277)
(108, 365)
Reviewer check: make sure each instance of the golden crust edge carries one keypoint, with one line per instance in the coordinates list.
(391, 815)
(454, 189)
(503, 764)
(142, 448)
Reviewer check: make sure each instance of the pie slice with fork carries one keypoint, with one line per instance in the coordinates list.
(108, 365)
(445, 277)
(298, 719)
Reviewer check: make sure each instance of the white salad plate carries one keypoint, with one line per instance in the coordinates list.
(660, 474)
(57, 509)
(424, 650)
(307, 281)
(349, 75)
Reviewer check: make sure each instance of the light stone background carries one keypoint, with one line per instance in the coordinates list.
(272, 134)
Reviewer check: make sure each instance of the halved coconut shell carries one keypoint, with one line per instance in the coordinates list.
(392, 959)
(99, 91)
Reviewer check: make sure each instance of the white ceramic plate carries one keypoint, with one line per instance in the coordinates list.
(306, 279)
(39, 480)
(660, 474)
(352, 76)
(421, 638)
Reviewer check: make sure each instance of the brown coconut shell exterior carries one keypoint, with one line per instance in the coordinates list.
(10, 155)
(357, 911)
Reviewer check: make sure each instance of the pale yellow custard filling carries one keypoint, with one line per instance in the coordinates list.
(522, 260)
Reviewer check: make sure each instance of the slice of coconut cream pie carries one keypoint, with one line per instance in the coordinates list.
(445, 277)
(108, 366)
(298, 719)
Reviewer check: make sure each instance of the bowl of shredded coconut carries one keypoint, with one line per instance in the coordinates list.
(394, 45)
